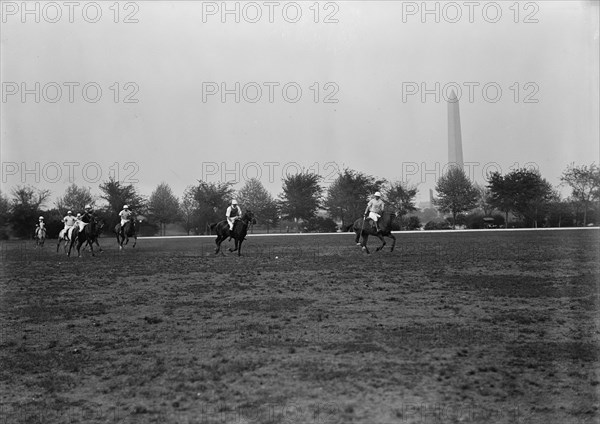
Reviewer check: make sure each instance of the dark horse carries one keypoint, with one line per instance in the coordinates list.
(240, 229)
(364, 228)
(123, 234)
(97, 231)
(86, 235)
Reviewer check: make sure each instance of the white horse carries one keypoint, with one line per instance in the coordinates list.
(65, 235)
(40, 237)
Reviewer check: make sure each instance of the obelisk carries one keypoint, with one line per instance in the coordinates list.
(455, 154)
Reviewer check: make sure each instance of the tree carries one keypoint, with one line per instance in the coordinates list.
(456, 193)
(523, 192)
(163, 206)
(212, 200)
(4, 215)
(118, 195)
(501, 194)
(25, 208)
(348, 195)
(301, 196)
(484, 199)
(75, 199)
(402, 197)
(585, 184)
(253, 196)
(531, 194)
(189, 209)
(560, 213)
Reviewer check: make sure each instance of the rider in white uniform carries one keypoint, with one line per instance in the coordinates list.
(125, 215)
(375, 209)
(233, 213)
(40, 227)
(69, 221)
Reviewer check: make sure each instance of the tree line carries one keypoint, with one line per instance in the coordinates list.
(523, 195)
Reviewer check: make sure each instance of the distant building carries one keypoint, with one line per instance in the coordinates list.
(455, 152)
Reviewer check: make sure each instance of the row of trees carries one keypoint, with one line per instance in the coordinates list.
(525, 194)
(522, 194)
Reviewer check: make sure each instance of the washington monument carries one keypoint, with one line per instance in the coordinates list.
(455, 154)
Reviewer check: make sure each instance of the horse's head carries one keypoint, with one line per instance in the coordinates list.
(248, 217)
(389, 213)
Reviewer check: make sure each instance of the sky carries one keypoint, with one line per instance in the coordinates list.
(179, 91)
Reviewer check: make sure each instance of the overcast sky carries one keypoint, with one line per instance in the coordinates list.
(366, 72)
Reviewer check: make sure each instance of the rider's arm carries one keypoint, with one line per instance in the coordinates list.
(368, 206)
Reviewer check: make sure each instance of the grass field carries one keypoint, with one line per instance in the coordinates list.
(480, 327)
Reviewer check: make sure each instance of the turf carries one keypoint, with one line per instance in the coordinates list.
(474, 327)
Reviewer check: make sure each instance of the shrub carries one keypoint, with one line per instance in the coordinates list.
(437, 225)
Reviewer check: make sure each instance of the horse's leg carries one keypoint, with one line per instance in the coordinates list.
(58, 245)
(220, 239)
(357, 238)
(79, 243)
(236, 246)
(71, 242)
(393, 241)
(240, 248)
(119, 241)
(134, 240)
(365, 238)
(380, 237)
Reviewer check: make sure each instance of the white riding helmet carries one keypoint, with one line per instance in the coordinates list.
(234, 202)
(125, 207)
(377, 194)
(41, 218)
(69, 212)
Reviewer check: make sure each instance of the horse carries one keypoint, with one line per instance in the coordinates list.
(365, 229)
(128, 230)
(64, 236)
(240, 229)
(40, 237)
(85, 235)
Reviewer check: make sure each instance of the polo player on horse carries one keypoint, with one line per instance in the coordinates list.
(69, 221)
(40, 227)
(234, 213)
(374, 210)
(125, 216)
(40, 231)
(86, 217)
